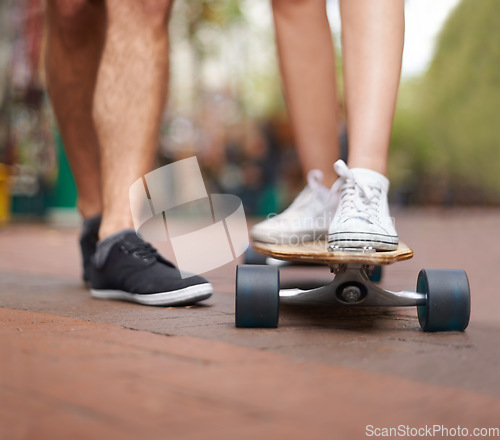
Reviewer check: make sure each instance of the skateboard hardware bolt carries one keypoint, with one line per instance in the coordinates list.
(351, 294)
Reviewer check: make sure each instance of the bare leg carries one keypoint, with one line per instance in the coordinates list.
(307, 62)
(129, 100)
(372, 38)
(74, 45)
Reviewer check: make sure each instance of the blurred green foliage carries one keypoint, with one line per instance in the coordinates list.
(207, 13)
(235, 39)
(445, 146)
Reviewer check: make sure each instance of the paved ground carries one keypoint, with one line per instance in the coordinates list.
(74, 367)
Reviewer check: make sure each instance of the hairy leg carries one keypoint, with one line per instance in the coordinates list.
(129, 100)
(75, 38)
(307, 61)
(372, 39)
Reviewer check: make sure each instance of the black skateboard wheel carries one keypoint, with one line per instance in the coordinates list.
(447, 305)
(376, 275)
(257, 296)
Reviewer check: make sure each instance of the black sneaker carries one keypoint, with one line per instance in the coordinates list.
(88, 242)
(127, 268)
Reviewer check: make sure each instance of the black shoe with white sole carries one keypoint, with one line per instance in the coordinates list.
(125, 267)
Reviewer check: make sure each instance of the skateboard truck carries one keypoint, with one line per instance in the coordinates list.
(352, 286)
(351, 294)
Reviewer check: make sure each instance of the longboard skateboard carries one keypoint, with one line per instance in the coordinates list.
(442, 297)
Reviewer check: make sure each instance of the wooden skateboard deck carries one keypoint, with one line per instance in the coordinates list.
(316, 252)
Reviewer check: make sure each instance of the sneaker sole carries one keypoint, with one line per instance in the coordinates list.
(182, 297)
(379, 242)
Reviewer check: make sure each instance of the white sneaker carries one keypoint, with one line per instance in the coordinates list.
(362, 219)
(306, 219)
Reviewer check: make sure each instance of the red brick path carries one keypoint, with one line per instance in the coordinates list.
(76, 368)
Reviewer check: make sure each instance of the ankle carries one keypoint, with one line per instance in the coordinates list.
(330, 179)
(373, 165)
(88, 209)
(110, 226)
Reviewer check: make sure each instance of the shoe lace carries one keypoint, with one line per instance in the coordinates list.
(357, 198)
(143, 250)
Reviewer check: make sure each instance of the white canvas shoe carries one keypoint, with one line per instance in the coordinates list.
(306, 219)
(362, 219)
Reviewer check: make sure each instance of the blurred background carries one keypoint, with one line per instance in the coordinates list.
(226, 107)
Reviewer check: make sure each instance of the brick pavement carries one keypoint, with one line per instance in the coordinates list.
(82, 368)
